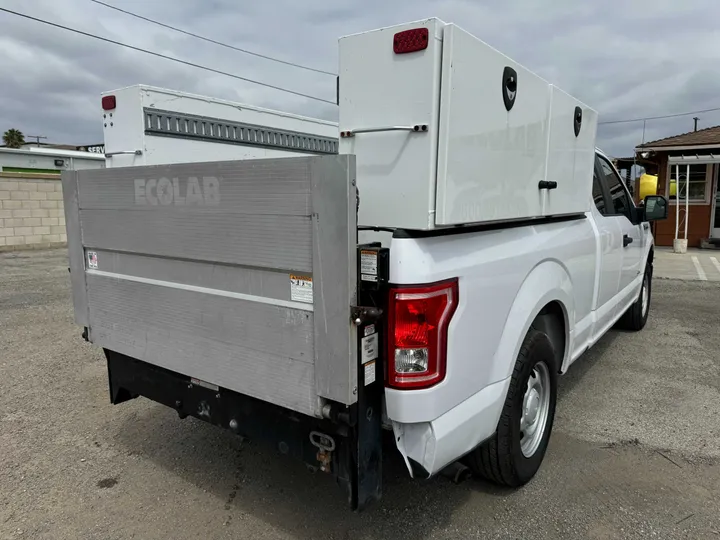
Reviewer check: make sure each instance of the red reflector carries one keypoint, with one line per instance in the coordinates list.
(418, 319)
(410, 40)
(108, 103)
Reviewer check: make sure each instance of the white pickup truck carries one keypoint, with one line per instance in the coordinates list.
(431, 271)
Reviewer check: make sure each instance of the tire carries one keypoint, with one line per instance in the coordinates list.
(506, 458)
(636, 316)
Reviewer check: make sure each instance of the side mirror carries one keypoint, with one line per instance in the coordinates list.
(655, 208)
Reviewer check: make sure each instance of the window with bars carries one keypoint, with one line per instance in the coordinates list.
(696, 182)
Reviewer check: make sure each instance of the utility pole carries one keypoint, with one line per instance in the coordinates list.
(696, 121)
(37, 138)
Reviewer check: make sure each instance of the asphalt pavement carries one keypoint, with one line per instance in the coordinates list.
(635, 452)
(694, 264)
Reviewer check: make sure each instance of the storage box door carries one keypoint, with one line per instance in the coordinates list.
(123, 131)
(493, 134)
(571, 154)
(382, 86)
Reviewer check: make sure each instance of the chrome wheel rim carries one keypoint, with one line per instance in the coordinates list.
(535, 409)
(645, 296)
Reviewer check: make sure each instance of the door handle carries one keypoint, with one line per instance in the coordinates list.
(547, 184)
(627, 240)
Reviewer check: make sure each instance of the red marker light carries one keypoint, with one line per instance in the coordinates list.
(411, 40)
(108, 103)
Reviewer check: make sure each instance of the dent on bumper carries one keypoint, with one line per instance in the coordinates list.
(434, 445)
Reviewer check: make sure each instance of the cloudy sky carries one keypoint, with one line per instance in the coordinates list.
(625, 58)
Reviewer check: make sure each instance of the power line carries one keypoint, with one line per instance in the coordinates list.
(209, 40)
(659, 117)
(279, 88)
(173, 59)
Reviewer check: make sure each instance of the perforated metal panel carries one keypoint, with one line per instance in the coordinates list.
(188, 126)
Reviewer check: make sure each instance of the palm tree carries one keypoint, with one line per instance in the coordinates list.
(13, 138)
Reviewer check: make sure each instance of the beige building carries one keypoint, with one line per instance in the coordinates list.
(31, 204)
(31, 211)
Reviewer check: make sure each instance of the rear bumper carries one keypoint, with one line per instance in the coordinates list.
(285, 430)
(347, 448)
(428, 447)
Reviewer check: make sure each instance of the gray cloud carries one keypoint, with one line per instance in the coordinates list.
(625, 59)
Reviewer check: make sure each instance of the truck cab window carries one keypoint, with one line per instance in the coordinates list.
(598, 195)
(618, 193)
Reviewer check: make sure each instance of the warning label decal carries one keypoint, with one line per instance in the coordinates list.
(370, 345)
(301, 289)
(369, 264)
(369, 373)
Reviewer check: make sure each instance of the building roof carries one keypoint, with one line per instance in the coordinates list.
(33, 144)
(53, 152)
(702, 137)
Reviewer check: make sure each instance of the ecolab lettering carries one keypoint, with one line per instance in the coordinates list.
(180, 192)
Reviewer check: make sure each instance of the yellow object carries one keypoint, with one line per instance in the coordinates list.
(648, 185)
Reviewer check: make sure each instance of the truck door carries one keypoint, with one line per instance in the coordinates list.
(620, 209)
(610, 254)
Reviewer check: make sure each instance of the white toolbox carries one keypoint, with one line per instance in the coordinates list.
(449, 131)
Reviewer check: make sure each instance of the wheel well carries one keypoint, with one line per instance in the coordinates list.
(551, 321)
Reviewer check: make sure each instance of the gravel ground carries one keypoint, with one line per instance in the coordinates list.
(635, 452)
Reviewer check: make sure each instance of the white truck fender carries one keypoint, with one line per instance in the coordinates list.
(649, 249)
(548, 282)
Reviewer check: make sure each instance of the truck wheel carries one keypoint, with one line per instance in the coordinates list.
(514, 454)
(637, 314)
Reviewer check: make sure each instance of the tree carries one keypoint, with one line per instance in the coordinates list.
(13, 138)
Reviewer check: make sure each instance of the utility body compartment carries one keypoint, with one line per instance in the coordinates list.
(457, 133)
(147, 125)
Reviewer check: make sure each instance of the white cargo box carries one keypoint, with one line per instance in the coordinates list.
(145, 125)
(449, 131)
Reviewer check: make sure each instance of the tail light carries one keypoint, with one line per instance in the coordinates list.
(108, 103)
(418, 319)
(410, 40)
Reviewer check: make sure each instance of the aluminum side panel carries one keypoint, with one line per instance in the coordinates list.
(260, 350)
(76, 254)
(335, 273)
(281, 187)
(262, 241)
(194, 264)
(263, 282)
(245, 324)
